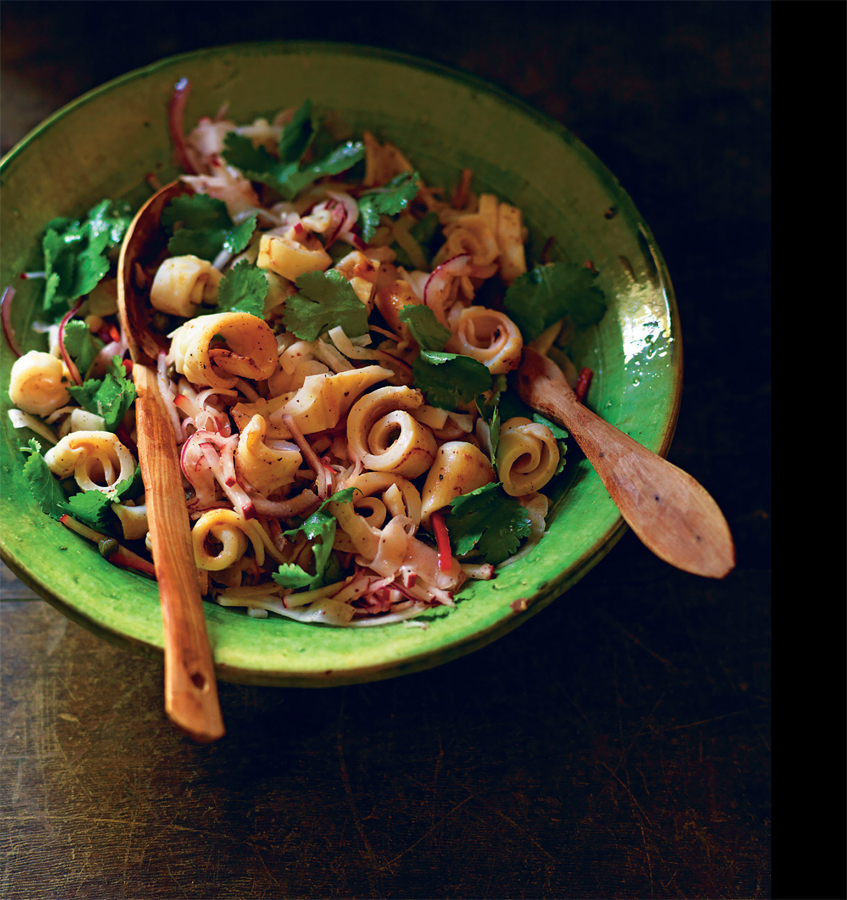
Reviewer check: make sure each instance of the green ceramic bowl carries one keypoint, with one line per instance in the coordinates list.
(106, 142)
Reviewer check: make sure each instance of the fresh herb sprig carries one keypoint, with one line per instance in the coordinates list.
(489, 522)
(81, 345)
(286, 172)
(94, 508)
(547, 293)
(243, 289)
(389, 200)
(109, 397)
(324, 300)
(201, 226)
(76, 254)
(448, 379)
(319, 528)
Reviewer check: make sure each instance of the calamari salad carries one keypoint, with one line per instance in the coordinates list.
(340, 335)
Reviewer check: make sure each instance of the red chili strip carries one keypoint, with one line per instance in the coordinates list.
(442, 542)
(462, 191)
(583, 384)
(109, 333)
(80, 529)
(126, 559)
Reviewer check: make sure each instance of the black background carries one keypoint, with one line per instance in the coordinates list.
(618, 744)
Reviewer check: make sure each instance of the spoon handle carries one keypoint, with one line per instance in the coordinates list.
(191, 695)
(673, 515)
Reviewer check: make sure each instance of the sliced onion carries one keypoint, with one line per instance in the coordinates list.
(206, 453)
(6, 305)
(176, 117)
(322, 481)
(223, 468)
(68, 361)
(354, 240)
(350, 217)
(438, 284)
(197, 471)
(21, 419)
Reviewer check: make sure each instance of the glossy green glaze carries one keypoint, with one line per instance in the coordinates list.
(105, 143)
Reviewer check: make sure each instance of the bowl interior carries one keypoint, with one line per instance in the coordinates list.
(105, 143)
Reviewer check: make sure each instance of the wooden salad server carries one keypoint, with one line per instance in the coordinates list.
(191, 694)
(672, 514)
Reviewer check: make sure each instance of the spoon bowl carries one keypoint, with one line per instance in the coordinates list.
(671, 513)
(191, 697)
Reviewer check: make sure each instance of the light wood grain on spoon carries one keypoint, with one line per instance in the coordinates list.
(672, 514)
(191, 695)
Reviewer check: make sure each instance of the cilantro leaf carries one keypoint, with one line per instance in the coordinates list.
(298, 134)
(324, 300)
(109, 397)
(243, 289)
(93, 508)
(127, 489)
(559, 434)
(543, 295)
(339, 160)
(319, 528)
(510, 406)
(427, 331)
(489, 521)
(256, 163)
(490, 412)
(43, 484)
(205, 227)
(389, 200)
(81, 345)
(75, 253)
(449, 379)
(295, 577)
(286, 174)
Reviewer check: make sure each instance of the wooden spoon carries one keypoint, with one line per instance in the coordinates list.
(671, 513)
(191, 694)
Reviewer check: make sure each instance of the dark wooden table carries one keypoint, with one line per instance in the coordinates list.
(617, 745)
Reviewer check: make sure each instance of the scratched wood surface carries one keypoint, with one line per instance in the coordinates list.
(617, 745)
